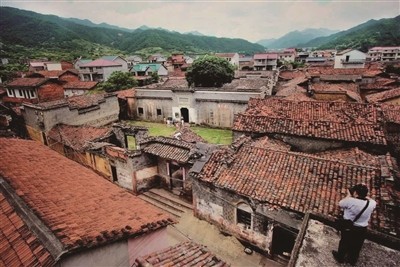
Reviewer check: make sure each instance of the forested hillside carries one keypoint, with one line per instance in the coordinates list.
(25, 32)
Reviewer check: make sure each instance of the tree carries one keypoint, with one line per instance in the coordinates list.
(119, 81)
(210, 71)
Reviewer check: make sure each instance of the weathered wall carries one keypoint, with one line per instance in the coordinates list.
(218, 114)
(330, 96)
(99, 163)
(146, 178)
(107, 113)
(51, 91)
(115, 254)
(394, 101)
(124, 173)
(150, 107)
(219, 207)
(34, 134)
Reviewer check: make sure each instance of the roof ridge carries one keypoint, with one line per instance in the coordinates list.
(306, 155)
(35, 224)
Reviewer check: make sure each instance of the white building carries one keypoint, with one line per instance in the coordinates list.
(384, 53)
(349, 58)
(233, 58)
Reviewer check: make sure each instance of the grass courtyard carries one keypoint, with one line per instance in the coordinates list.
(211, 135)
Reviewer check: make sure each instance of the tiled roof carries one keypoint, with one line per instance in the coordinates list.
(289, 74)
(126, 93)
(343, 121)
(383, 96)
(101, 63)
(351, 155)
(79, 101)
(80, 85)
(391, 113)
(174, 83)
(187, 135)
(225, 54)
(77, 137)
(27, 82)
(351, 89)
(266, 56)
(81, 208)
(19, 246)
(168, 148)
(379, 84)
(329, 70)
(184, 254)
(296, 181)
(246, 84)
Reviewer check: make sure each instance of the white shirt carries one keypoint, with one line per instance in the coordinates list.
(352, 206)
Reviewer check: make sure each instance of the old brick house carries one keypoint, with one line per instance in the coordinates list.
(259, 192)
(311, 126)
(94, 110)
(85, 221)
(174, 100)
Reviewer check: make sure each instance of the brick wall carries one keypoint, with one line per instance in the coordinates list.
(50, 91)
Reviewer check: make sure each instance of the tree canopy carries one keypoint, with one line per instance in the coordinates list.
(210, 71)
(119, 81)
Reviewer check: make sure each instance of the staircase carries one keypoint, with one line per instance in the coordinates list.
(166, 201)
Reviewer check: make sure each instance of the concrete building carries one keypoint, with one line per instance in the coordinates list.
(383, 53)
(265, 61)
(349, 58)
(100, 69)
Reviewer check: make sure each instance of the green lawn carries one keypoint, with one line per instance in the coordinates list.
(211, 135)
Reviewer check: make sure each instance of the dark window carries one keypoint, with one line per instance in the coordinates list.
(159, 112)
(244, 218)
(114, 174)
(140, 111)
(20, 92)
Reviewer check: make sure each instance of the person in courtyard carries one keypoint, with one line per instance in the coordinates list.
(357, 208)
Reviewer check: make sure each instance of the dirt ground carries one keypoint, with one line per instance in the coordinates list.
(227, 248)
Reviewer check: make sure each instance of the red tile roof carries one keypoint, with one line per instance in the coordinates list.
(383, 96)
(391, 113)
(184, 255)
(187, 135)
(126, 93)
(50, 73)
(79, 101)
(27, 82)
(351, 89)
(296, 181)
(19, 246)
(379, 84)
(330, 71)
(80, 85)
(101, 63)
(168, 148)
(225, 54)
(266, 56)
(81, 208)
(77, 137)
(343, 121)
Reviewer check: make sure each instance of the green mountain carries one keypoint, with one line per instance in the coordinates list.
(294, 38)
(29, 34)
(383, 32)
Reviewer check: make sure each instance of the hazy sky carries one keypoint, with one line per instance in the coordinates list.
(251, 20)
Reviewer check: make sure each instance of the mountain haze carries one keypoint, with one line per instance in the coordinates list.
(37, 32)
(294, 38)
(383, 32)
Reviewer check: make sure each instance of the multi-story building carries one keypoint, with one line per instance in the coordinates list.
(265, 61)
(383, 53)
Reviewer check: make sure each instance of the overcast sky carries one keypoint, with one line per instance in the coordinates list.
(250, 20)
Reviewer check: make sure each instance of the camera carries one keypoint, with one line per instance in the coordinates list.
(352, 190)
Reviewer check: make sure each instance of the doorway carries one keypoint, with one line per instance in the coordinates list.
(114, 173)
(282, 243)
(185, 114)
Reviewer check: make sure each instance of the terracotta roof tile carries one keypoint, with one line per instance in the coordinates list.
(330, 71)
(77, 137)
(379, 84)
(391, 113)
(78, 101)
(296, 181)
(383, 96)
(247, 84)
(168, 148)
(343, 121)
(184, 255)
(27, 82)
(101, 63)
(80, 85)
(126, 93)
(81, 208)
(351, 89)
(187, 135)
(19, 246)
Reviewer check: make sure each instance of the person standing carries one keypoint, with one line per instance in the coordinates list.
(358, 208)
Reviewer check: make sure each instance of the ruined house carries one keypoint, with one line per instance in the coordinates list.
(56, 212)
(259, 193)
(95, 110)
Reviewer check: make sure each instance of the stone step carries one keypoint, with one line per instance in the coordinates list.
(171, 198)
(176, 212)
